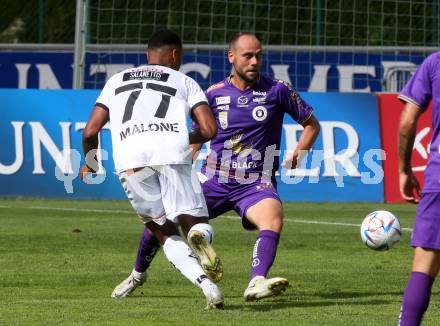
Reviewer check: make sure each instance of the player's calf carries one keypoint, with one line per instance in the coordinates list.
(182, 257)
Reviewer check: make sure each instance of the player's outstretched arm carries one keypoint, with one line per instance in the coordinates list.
(408, 184)
(207, 125)
(98, 118)
(306, 141)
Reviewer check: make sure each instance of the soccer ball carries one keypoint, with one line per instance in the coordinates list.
(380, 230)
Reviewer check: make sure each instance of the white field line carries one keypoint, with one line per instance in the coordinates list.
(67, 209)
(113, 211)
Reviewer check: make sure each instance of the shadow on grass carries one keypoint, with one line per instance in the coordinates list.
(345, 295)
(264, 306)
(338, 298)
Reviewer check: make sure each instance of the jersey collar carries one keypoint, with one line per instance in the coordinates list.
(228, 80)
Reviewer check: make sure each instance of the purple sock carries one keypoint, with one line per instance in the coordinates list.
(148, 247)
(416, 299)
(265, 250)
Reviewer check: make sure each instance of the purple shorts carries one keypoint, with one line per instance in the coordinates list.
(222, 197)
(426, 232)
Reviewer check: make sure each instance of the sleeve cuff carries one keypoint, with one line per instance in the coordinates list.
(198, 104)
(307, 117)
(103, 106)
(407, 99)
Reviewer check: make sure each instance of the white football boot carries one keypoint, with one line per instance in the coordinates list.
(214, 297)
(127, 286)
(260, 288)
(211, 264)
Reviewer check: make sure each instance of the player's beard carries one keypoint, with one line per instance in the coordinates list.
(245, 78)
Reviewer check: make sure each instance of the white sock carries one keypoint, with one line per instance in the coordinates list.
(206, 229)
(252, 282)
(137, 275)
(184, 259)
(206, 285)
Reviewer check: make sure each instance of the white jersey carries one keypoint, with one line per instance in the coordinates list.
(148, 108)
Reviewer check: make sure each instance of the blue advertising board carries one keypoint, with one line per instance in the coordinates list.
(346, 161)
(41, 145)
(314, 71)
(37, 128)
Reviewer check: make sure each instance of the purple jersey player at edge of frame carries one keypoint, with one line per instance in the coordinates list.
(423, 87)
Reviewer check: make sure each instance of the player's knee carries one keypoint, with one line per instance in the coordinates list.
(278, 225)
(273, 224)
(436, 264)
(426, 261)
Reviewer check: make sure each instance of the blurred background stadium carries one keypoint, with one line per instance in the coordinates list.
(310, 37)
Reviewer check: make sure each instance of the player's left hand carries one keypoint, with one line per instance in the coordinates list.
(291, 161)
(409, 187)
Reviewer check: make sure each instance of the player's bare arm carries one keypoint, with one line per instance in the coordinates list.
(207, 125)
(195, 149)
(98, 118)
(306, 141)
(409, 186)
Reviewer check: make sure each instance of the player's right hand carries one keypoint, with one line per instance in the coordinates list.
(85, 170)
(409, 187)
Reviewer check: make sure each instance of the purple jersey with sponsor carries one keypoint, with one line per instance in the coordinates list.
(249, 128)
(423, 87)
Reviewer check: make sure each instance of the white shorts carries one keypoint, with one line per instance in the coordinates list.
(162, 192)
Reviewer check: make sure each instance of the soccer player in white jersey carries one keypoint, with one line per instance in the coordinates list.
(147, 108)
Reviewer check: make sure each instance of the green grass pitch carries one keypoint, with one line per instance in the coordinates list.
(60, 260)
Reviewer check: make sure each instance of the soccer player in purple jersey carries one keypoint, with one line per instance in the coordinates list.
(423, 87)
(240, 169)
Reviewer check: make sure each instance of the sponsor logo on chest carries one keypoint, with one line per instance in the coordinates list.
(223, 107)
(259, 113)
(259, 99)
(242, 101)
(223, 119)
(222, 100)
